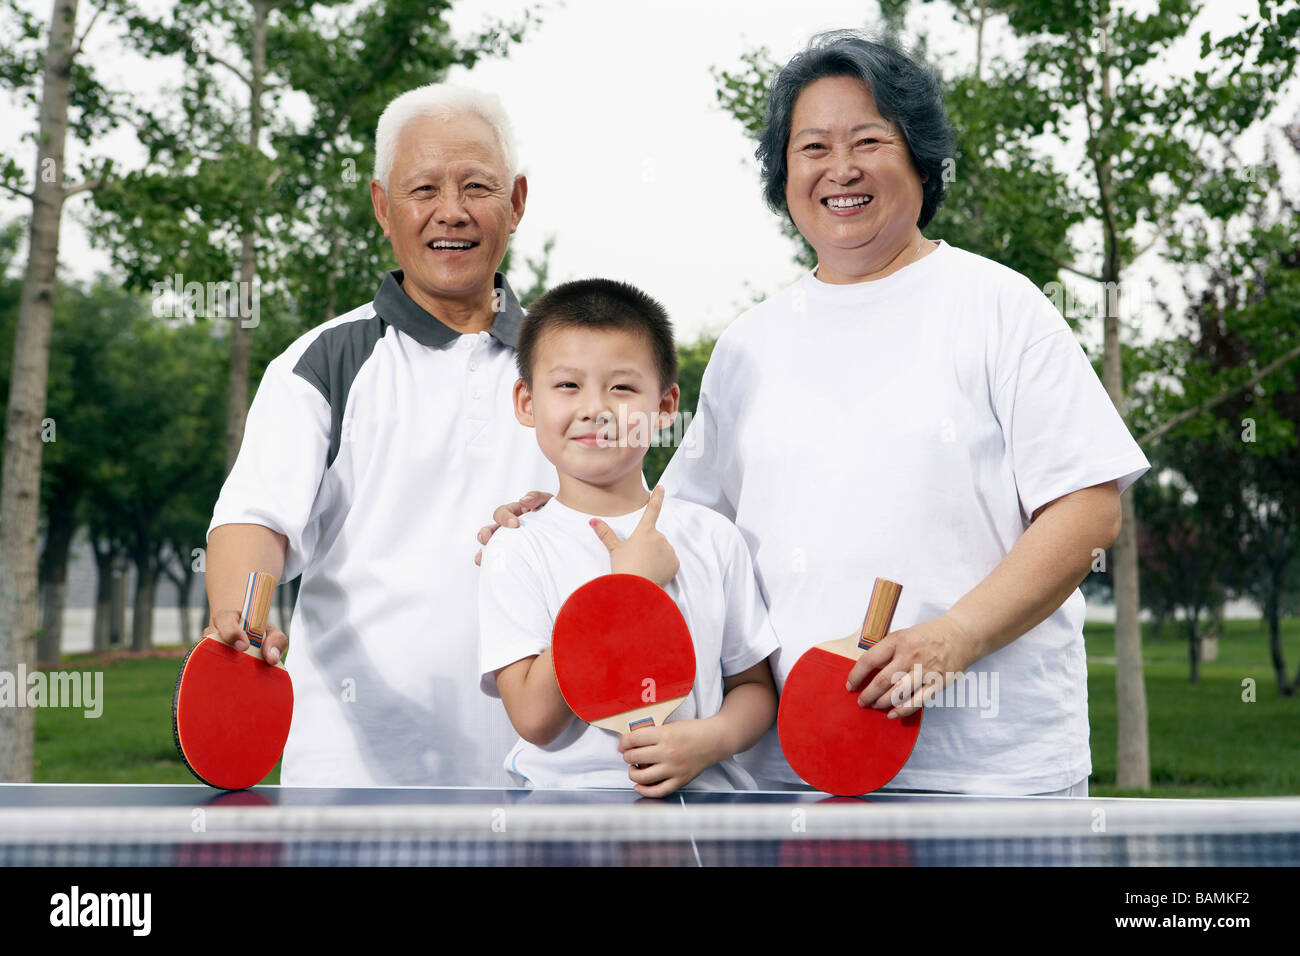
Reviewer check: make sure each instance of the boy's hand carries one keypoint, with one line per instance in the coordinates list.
(646, 551)
(507, 516)
(665, 759)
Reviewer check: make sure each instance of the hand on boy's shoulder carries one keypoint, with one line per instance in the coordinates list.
(645, 551)
(508, 515)
(508, 548)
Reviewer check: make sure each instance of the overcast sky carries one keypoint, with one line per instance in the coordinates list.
(632, 165)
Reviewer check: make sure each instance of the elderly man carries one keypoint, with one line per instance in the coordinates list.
(372, 444)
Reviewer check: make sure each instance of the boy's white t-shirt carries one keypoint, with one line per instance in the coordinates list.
(908, 428)
(529, 572)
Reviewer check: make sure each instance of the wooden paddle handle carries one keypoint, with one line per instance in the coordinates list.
(256, 607)
(880, 612)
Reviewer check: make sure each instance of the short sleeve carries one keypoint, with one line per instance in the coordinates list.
(513, 617)
(696, 471)
(747, 635)
(1060, 424)
(281, 462)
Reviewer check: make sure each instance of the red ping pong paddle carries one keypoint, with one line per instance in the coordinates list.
(231, 711)
(831, 742)
(623, 655)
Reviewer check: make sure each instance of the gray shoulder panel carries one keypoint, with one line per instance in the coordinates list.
(331, 364)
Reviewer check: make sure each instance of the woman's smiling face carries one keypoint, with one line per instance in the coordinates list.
(851, 187)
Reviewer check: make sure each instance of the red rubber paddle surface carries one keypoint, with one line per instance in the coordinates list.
(614, 634)
(230, 715)
(831, 742)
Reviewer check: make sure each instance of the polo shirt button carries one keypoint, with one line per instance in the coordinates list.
(477, 393)
(473, 366)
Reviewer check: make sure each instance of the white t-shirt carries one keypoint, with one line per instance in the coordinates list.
(529, 572)
(376, 444)
(908, 428)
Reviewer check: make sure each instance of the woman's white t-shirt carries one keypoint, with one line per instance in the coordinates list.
(908, 428)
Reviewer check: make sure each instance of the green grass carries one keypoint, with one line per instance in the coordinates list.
(1204, 740)
(130, 742)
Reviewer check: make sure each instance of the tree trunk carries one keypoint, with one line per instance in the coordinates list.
(183, 580)
(20, 486)
(1133, 764)
(1133, 770)
(146, 579)
(237, 403)
(183, 604)
(103, 626)
(1273, 612)
(60, 527)
(1193, 646)
(117, 627)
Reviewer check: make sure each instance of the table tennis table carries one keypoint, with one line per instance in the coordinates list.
(98, 825)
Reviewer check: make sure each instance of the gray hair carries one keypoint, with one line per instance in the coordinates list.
(906, 93)
(443, 101)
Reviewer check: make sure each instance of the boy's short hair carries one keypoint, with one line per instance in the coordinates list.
(599, 304)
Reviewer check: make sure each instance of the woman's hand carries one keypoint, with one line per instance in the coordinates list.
(914, 663)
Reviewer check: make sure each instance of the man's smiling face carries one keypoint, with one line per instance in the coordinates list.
(449, 209)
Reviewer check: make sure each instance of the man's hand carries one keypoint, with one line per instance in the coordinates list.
(933, 649)
(665, 759)
(646, 551)
(507, 516)
(226, 627)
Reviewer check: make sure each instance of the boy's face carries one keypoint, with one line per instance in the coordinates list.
(595, 402)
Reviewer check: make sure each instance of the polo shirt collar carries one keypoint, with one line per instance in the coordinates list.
(395, 307)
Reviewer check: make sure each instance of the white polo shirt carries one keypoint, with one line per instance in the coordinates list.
(376, 444)
(908, 428)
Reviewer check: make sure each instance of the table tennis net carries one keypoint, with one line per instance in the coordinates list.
(668, 833)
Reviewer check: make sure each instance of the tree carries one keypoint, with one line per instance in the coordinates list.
(81, 403)
(1142, 137)
(152, 492)
(1185, 540)
(234, 190)
(1237, 392)
(25, 415)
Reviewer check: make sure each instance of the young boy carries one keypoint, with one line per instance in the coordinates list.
(598, 374)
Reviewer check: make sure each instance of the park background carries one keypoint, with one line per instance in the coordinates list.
(1139, 161)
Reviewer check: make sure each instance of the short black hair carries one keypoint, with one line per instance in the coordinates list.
(599, 304)
(906, 93)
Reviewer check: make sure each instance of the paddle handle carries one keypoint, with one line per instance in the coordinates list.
(880, 612)
(256, 607)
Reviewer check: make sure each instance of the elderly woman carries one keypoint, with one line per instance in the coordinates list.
(912, 411)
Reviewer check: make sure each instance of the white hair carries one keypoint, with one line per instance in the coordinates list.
(443, 101)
